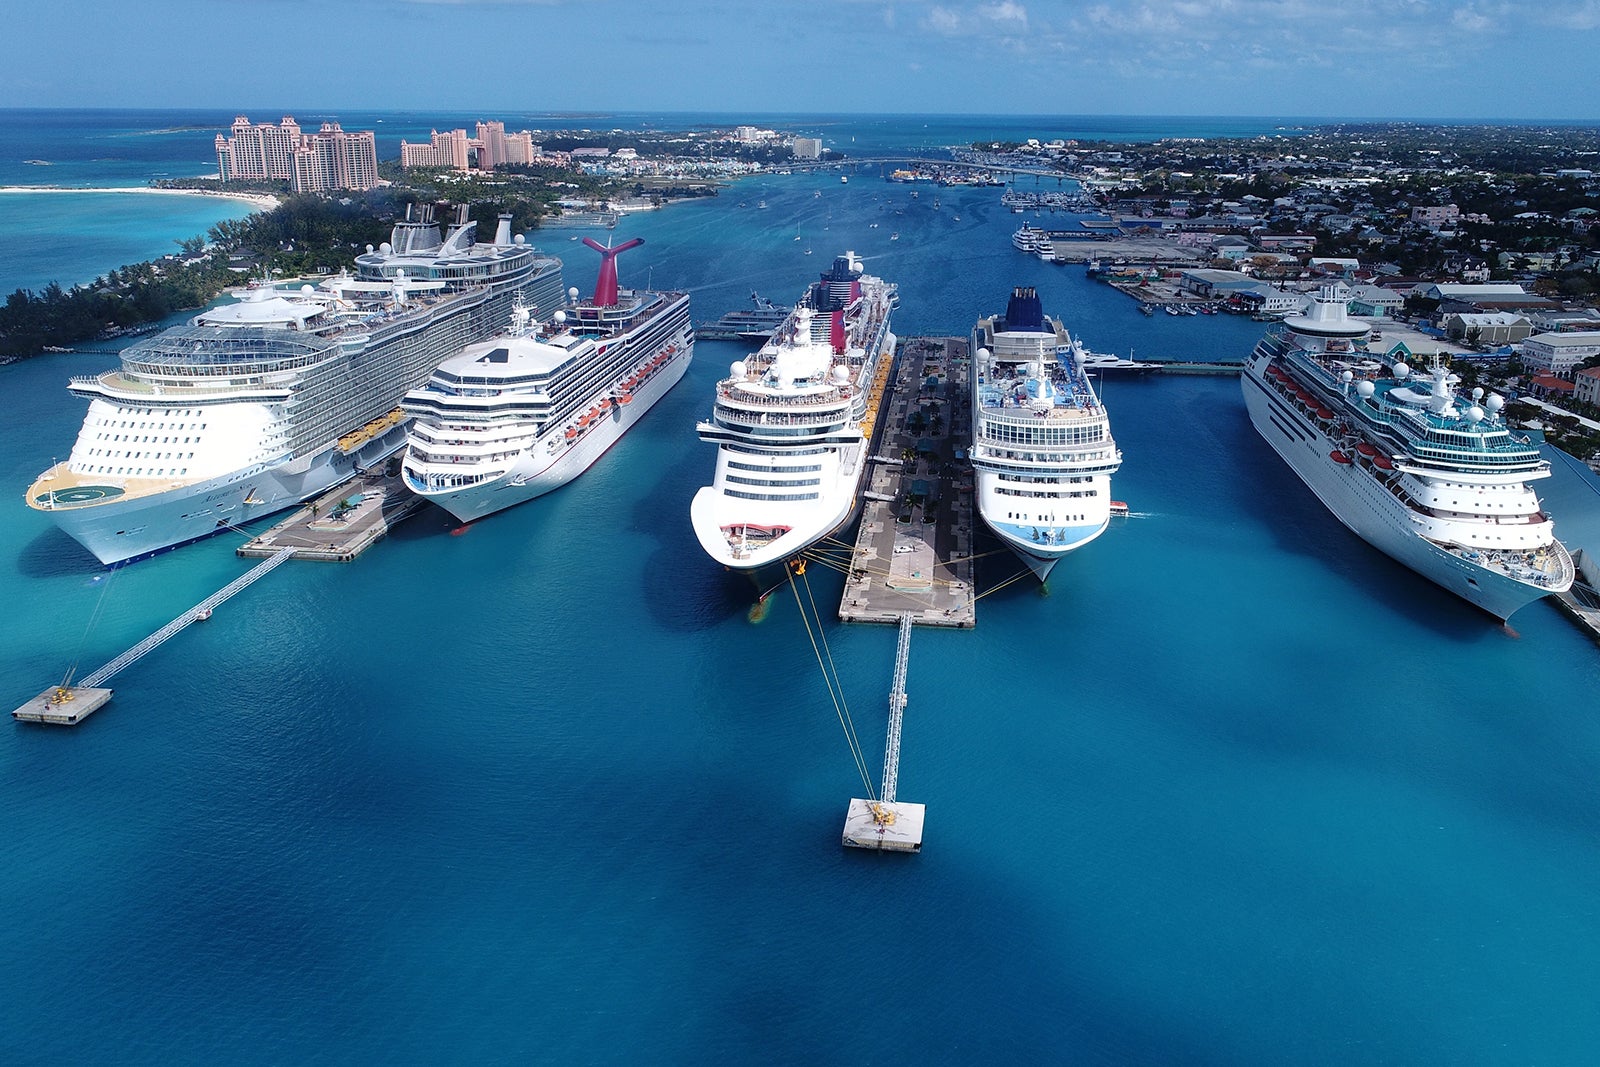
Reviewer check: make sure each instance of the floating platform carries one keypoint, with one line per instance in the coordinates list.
(901, 831)
(342, 523)
(63, 706)
(913, 551)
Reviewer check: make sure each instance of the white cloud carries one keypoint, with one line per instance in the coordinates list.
(1006, 11)
(944, 21)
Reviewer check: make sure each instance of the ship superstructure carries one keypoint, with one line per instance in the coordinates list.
(1042, 449)
(259, 404)
(514, 417)
(1438, 481)
(793, 423)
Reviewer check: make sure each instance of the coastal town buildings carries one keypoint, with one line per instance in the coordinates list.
(1586, 385)
(332, 158)
(453, 149)
(1486, 327)
(495, 146)
(807, 148)
(1559, 353)
(1436, 217)
(448, 150)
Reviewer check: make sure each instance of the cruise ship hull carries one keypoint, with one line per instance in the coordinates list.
(709, 518)
(549, 462)
(1023, 540)
(1369, 510)
(123, 531)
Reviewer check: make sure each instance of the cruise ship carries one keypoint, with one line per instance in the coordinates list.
(793, 424)
(262, 403)
(516, 416)
(1042, 448)
(1436, 480)
(1035, 242)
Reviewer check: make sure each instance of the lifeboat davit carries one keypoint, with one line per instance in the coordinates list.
(1338, 456)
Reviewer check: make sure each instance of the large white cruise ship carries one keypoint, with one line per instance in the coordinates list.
(793, 424)
(1041, 440)
(260, 404)
(512, 418)
(1435, 480)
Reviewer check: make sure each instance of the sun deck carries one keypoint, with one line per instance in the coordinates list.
(60, 487)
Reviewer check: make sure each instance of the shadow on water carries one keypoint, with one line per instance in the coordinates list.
(52, 554)
(1301, 525)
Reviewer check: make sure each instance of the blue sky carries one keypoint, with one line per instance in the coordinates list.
(1359, 58)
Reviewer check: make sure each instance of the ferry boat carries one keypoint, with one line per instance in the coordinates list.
(1437, 481)
(514, 417)
(753, 325)
(793, 424)
(1042, 448)
(260, 404)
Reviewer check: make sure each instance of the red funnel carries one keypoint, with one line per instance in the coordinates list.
(605, 286)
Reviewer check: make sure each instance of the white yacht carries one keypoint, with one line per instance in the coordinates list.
(1042, 448)
(514, 417)
(1435, 480)
(793, 424)
(263, 403)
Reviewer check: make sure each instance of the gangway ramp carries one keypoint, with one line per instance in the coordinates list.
(70, 703)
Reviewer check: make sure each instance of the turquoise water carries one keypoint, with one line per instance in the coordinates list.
(1238, 790)
(73, 238)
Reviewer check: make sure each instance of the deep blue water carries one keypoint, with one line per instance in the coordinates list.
(1238, 790)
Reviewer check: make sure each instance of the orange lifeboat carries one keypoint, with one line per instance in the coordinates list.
(625, 398)
(1338, 456)
(606, 403)
(572, 433)
(1384, 462)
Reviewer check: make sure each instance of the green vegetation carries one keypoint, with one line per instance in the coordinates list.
(303, 235)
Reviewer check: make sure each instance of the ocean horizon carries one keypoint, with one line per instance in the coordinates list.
(1237, 789)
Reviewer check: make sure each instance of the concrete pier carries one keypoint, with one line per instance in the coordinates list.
(62, 705)
(898, 830)
(343, 522)
(913, 553)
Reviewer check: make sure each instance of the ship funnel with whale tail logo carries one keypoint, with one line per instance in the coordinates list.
(605, 286)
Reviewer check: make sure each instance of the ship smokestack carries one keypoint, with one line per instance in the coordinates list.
(605, 286)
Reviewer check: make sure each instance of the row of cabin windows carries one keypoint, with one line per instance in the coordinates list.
(734, 464)
(1002, 491)
(143, 439)
(741, 480)
(742, 495)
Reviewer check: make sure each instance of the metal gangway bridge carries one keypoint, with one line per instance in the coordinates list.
(887, 824)
(61, 705)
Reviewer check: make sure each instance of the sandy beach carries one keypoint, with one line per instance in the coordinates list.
(261, 201)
